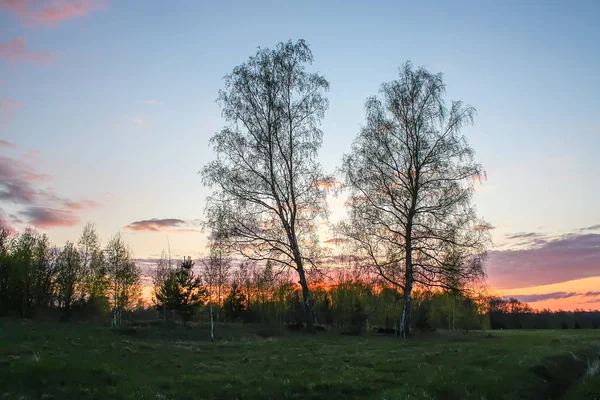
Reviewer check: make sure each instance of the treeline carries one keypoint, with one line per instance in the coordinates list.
(86, 281)
(77, 280)
(512, 314)
(344, 300)
(350, 300)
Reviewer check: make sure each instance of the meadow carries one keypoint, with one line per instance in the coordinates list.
(50, 360)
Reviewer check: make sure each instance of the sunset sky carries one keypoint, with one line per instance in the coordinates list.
(106, 108)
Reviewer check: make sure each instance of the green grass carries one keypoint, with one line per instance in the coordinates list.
(41, 360)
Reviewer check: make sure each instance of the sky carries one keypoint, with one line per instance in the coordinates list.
(106, 109)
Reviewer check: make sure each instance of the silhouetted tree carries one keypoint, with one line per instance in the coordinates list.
(123, 275)
(94, 269)
(70, 279)
(191, 292)
(411, 174)
(269, 184)
(166, 293)
(215, 268)
(44, 270)
(23, 274)
(164, 285)
(234, 303)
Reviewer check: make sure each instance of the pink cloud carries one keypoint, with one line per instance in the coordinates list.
(16, 181)
(51, 12)
(16, 50)
(48, 196)
(5, 143)
(154, 224)
(137, 121)
(19, 185)
(151, 101)
(7, 108)
(44, 217)
(80, 205)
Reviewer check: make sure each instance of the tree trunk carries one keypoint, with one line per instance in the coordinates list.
(405, 320)
(408, 276)
(212, 323)
(308, 305)
(452, 313)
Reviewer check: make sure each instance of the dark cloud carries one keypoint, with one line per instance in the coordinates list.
(483, 227)
(591, 228)
(524, 235)
(44, 217)
(155, 224)
(592, 301)
(569, 257)
(532, 298)
(591, 294)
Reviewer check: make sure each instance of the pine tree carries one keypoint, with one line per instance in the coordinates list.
(234, 304)
(191, 293)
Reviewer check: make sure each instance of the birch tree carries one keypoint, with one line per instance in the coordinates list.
(70, 279)
(92, 259)
(410, 176)
(123, 275)
(216, 266)
(268, 183)
(161, 283)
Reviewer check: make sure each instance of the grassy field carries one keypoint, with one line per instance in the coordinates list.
(40, 360)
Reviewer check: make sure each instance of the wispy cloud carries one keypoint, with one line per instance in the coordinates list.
(44, 217)
(16, 181)
(532, 298)
(20, 186)
(7, 107)
(5, 143)
(16, 50)
(524, 235)
(151, 101)
(483, 227)
(137, 121)
(53, 12)
(80, 205)
(591, 228)
(154, 224)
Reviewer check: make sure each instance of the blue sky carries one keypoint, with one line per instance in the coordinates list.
(114, 101)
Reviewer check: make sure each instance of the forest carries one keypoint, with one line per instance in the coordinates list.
(85, 281)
